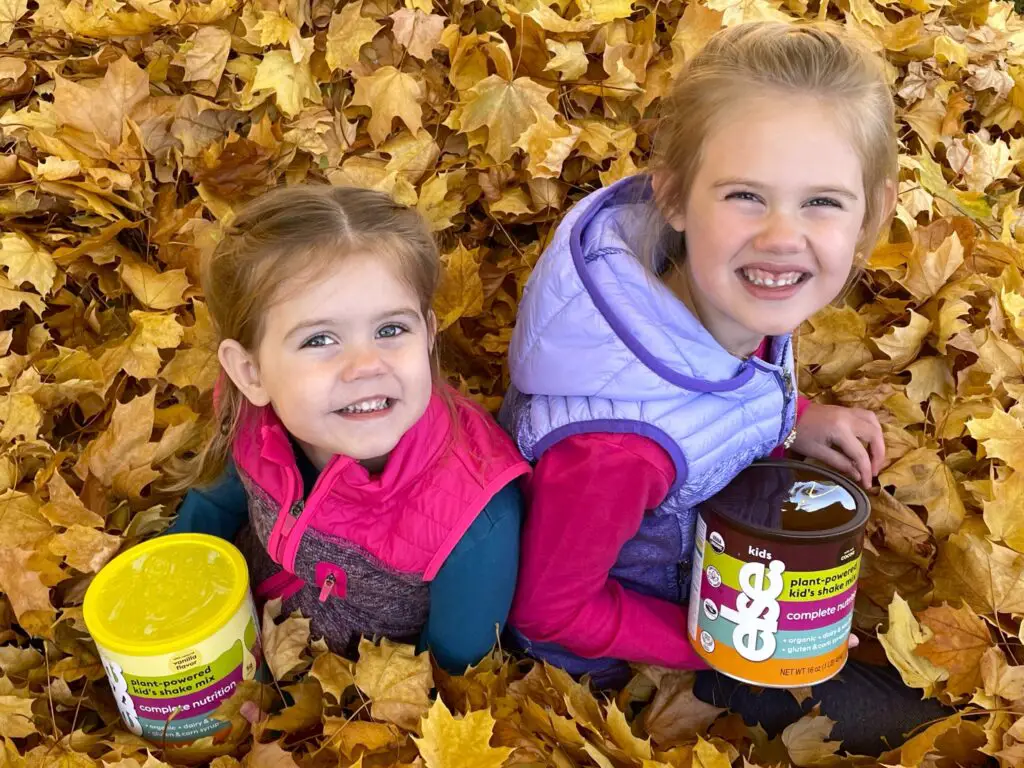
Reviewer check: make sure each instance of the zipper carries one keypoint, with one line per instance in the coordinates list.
(286, 519)
(289, 545)
(327, 588)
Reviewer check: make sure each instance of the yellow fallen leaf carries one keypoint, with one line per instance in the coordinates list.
(1002, 435)
(928, 271)
(354, 736)
(987, 576)
(1000, 678)
(959, 641)
(139, 355)
(65, 508)
(547, 145)
(291, 81)
(806, 739)
(707, 755)
(623, 736)
(26, 578)
(348, 33)
(208, 54)
(418, 32)
(27, 262)
(20, 417)
(56, 169)
(334, 673)
(921, 477)
(284, 644)
(903, 344)
(439, 202)
(506, 109)
(461, 292)
(604, 11)
(389, 93)
(85, 549)
(743, 11)
(568, 59)
(901, 640)
(100, 109)
(1003, 513)
(11, 12)
(16, 717)
(397, 680)
(462, 743)
(157, 289)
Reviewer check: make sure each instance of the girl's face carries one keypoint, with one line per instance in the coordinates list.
(344, 361)
(772, 221)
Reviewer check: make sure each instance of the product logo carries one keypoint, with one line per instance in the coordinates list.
(714, 577)
(710, 609)
(707, 642)
(717, 542)
(756, 615)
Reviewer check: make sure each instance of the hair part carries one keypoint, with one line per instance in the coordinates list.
(777, 60)
(277, 243)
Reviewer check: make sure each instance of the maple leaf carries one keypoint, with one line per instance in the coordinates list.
(389, 93)
(901, 640)
(988, 577)
(900, 530)
(806, 739)
(928, 271)
(742, 11)
(921, 477)
(85, 549)
(284, 644)
(461, 292)
(101, 110)
(999, 678)
(155, 288)
(348, 33)
(208, 54)
(303, 713)
(958, 643)
(27, 262)
(903, 344)
(1002, 435)
(290, 80)
(16, 718)
(418, 32)
(397, 681)
(507, 109)
(676, 714)
(462, 743)
(26, 578)
(568, 59)
(11, 12)
(352, 736)
(334, 673)
(707, 755)
(623, 736)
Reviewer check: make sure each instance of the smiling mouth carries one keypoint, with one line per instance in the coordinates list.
(372, 405)
(764, 279)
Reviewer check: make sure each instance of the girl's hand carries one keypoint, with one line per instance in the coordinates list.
(847, 439)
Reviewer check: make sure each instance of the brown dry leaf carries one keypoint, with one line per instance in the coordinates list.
(397, 680)
(26, 578)
(806, 740)
(334, 673)
(676, 714)
(354, 736)
(284, 644)
(959, 641)
(207, 55)
(16, 720)
(459, 743)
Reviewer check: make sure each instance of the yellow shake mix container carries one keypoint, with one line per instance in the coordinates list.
(176, 628)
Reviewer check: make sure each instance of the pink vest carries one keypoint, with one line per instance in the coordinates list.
(357, 555)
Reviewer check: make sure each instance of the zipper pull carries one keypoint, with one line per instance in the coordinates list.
(327, 588)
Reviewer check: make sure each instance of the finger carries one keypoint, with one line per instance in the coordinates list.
(853, 642)
(855, 451)
(834, 459)
(870, 431)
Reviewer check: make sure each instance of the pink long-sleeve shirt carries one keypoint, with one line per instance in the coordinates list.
(587, 497)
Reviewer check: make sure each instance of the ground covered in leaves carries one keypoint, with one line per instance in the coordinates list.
(129, 129)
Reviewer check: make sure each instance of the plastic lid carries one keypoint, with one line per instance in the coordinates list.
(792, 500)
(166, 594)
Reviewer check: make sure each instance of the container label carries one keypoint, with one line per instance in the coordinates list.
(169, 698)
(758, 621)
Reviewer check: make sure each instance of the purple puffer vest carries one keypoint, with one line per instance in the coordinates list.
(602, 346)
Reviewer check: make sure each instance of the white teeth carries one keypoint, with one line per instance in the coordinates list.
(765, 279)
(367, 406)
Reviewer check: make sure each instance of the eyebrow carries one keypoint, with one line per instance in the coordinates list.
(405, 313)
(841, 191)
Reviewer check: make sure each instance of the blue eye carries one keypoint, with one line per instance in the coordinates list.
(317, 341)
(825, 202)
(391, 331)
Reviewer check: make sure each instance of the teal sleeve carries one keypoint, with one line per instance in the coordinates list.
(471, 595)
(220, 509)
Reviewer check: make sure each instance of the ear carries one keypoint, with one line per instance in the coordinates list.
(675, 217)
(432, 329)
(242, 369)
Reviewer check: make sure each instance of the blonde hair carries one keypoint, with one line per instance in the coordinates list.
(777, 59)
(279, 238)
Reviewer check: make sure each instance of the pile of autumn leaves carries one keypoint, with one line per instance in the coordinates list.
(130, 130)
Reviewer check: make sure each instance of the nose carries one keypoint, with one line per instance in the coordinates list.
(780, 234)
(361, 362)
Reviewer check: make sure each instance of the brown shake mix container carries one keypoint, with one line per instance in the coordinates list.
(775, 568)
